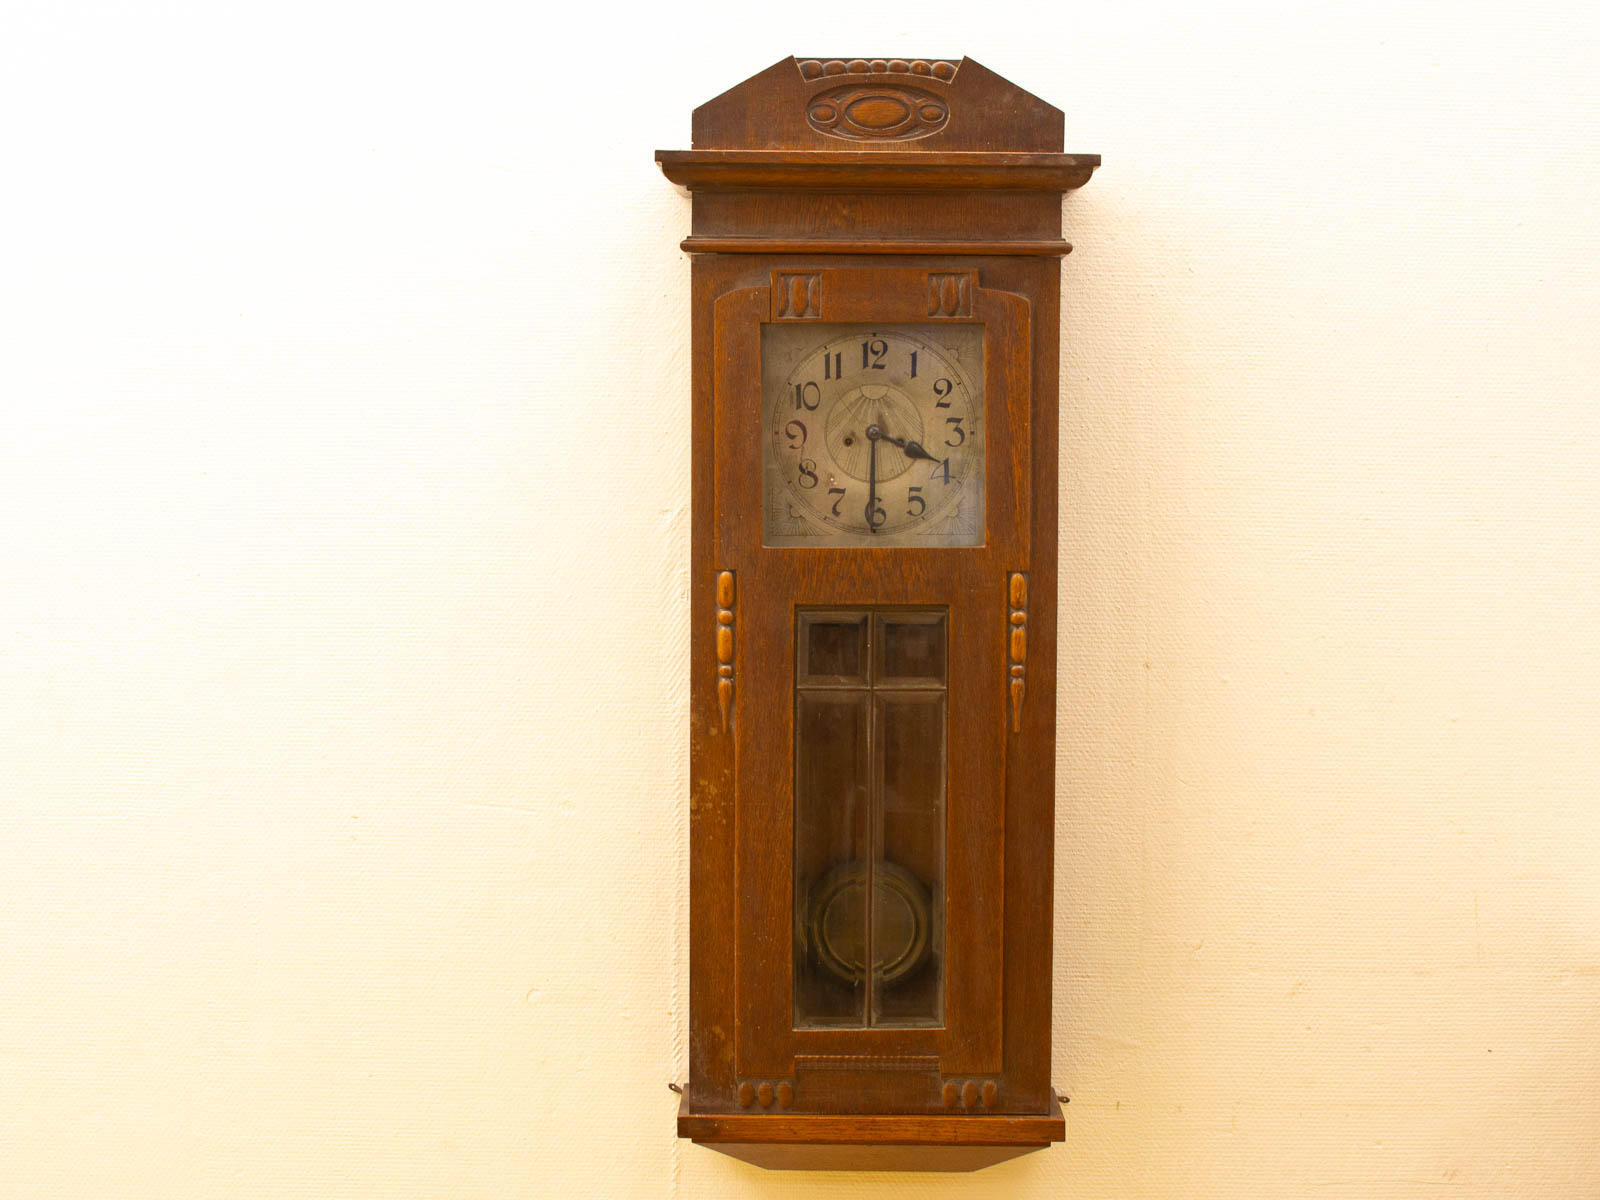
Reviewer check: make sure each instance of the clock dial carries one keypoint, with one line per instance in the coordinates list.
(873, 435)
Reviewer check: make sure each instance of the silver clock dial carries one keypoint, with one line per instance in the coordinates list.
(874, 435)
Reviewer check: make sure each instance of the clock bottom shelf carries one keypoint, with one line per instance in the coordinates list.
(832, 1142)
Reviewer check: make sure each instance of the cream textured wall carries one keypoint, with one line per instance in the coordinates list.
(343, 622)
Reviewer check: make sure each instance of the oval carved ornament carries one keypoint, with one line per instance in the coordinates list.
(877, 112)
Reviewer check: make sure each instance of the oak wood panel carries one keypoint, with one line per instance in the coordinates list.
(1029, 804)
(798, 216)
(711, 859)
(971, 582)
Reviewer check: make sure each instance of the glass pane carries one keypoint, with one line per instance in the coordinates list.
(832, 834)
(912, 649)
(907, 924)
(870, 730)
(833, 648)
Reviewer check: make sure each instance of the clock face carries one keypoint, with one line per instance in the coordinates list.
(873, 434)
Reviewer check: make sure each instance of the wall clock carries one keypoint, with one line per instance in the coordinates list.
(875, 295)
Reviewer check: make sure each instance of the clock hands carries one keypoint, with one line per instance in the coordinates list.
(912, 447)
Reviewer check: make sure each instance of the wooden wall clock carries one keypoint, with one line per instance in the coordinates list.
(876, 270)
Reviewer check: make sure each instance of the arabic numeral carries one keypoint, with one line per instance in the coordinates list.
(838, 494)
(941, 471)
(941, 391)
(914, 496)
(808, 470)
(795, 431)
(873, 352)
(807, 396)
(956, 431)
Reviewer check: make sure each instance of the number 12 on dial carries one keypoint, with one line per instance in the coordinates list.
(873, 435)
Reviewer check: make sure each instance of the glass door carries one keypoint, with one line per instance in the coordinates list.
(870, 742)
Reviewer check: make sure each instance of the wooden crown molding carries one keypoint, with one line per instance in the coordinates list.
(879, 171)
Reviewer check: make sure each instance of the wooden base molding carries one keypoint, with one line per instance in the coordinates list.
(828, 1142)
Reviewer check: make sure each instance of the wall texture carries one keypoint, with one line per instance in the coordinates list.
(343, 619)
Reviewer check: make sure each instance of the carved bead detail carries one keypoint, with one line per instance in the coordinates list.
(949, 294)
(766, 1093)
(796, 295)
(968, 1092)
(816, 68)
(1017, 587)
(725, 651)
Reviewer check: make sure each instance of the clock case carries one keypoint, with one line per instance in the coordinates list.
(888, 191)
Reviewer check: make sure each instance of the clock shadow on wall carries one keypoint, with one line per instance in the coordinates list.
(875, 295)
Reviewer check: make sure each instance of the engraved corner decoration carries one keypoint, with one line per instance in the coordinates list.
(949, 293)
(796, 295)
(725, 646)
(1017, 587)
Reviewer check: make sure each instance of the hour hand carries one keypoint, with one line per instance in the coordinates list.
(912, 447)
